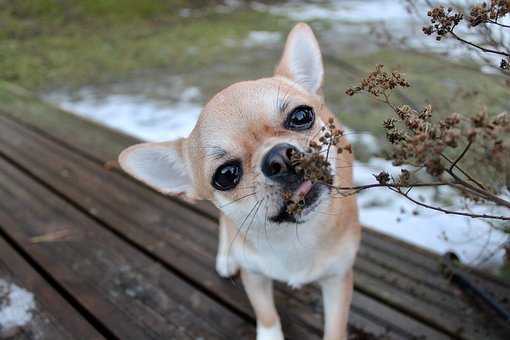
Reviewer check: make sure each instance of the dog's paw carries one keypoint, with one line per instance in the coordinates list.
(270, 333)
(226, 266)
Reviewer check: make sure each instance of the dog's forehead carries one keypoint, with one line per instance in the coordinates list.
(244, 105)
(241, 103)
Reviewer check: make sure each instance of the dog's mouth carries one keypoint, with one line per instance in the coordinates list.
(299, 201)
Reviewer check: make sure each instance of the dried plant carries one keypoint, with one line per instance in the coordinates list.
(418, 138)
(444, 22)
(423, 143)
(480, 22)
(479, 29)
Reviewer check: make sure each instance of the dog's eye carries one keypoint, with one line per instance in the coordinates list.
(227, 176)
(301, 118)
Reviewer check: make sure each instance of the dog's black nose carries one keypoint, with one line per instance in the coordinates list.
(276, 163)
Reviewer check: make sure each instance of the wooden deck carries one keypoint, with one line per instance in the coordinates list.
(106, 257)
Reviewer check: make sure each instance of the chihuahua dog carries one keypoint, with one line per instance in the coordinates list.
(238, 156)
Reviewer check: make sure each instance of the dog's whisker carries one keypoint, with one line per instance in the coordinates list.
(252, 219)
(265, 229)
(297, 235)
(314, 136)
(346, 195)
(241, 227)
(238, 199)
(246, 187)
(327, 213)
(348, 166)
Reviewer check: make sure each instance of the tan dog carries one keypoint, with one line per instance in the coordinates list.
(237, 156)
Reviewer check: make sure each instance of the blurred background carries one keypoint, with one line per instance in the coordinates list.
(147, 67)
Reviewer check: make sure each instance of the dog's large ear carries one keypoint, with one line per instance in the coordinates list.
(162, 166)
(302, 60)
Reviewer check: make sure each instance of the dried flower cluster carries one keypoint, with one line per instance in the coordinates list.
(505, 64)
(445, 20)
(422, 142)
(488, 12)
(295, 207)
(313, 165)
(378, 83)
(403, 180)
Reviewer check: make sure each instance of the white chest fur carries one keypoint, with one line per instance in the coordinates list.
(295, 253)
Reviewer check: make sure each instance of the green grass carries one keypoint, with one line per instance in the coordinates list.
(44, 44)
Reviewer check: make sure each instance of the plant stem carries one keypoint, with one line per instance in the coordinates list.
(451, 212)
(488, 50)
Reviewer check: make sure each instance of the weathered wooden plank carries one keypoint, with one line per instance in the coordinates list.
(132, 295)
(92, 137)
(425, 261)
(53, 317)
(154, 221)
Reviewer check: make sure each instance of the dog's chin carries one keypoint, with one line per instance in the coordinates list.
(312, 200)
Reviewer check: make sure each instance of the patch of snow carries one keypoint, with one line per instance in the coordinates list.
(257, 38)
(190, 94)
(16, 306)
(347, 10)
(185, 12)
(137, 115)
(367, 139)
(228, 6)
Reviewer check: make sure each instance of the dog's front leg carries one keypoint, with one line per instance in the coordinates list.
(226, 266)
(336, 296)
(260, 292)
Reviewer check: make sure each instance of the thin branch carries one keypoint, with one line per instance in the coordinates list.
(390, 185)
(498, 23)
(468, 176)
(458, 184)
(488, 50)
(357, 189)
(483, 193)
(450, 212)
(454, 164)
(463, 188)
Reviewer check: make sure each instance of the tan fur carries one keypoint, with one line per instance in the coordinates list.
(245, 121)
